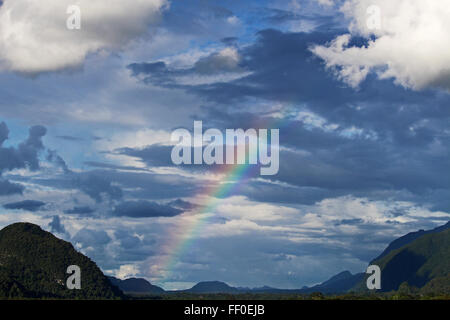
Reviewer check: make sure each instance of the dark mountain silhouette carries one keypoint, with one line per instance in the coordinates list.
(136, 285)
(33, 264)
(212, 287)
(339, 283)
(408, 238)
(342, 282)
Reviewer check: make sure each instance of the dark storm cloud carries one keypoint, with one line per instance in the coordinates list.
(144, 209)
(28, 205)
(155, 186)
(158, 73)
(158, 68)
(56, 225)
(160, 156)
(29, 148)
(53, 156)
(127, 240)
(281, 67)
(284, 69)
(380, 156)
(111, 184)
(154, 155)
(229, 40)
(94, 243)
(319, 21)
(26, 153)
(181, 204)
(348, 222)
(269, 192)
(104, 165)
(70, 138)
(8, 188)
(385, 137)
(82, 210)
(4, 132)
(91, 238)
(96, 185)
(133, 248)
(330, 165)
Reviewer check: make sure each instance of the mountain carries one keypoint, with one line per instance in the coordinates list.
(33, 264)
(401, 268)
(212, 287)
(408, 238)
(339, 283)
(424, 260)
(136, 285)
(336, 284)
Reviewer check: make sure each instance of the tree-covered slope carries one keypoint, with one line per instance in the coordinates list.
(423, 263)
(33, 264)
(410, 237)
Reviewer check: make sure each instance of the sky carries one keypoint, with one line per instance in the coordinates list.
(360, 91)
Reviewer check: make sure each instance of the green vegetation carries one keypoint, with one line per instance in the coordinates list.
(421, 267)
(33, 264)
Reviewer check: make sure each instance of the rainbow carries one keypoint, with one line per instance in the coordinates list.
(183, 236)
(234, 177)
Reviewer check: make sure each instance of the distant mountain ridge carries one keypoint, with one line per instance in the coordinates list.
(336, 284)
(136, 285)
(212, 287)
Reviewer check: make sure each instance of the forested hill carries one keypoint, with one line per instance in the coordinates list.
(423, 263)
(33, 264)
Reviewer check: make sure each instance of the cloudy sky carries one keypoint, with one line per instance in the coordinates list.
(360, 91)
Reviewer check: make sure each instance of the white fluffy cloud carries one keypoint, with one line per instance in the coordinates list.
(34, 36)
(127, 271)
(411, 43)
